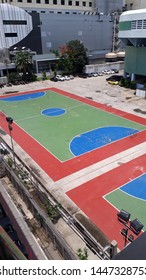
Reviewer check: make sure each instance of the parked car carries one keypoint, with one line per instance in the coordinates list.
(90, 75)
(60, 77)
(95, 74)
(114, 78)
(115, 70)
(113, 82)
(54, 79)
(83, 75)
(66, 78)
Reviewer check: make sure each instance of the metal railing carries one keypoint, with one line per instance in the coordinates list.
(47, 224)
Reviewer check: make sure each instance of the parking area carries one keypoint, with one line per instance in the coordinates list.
(96, 88)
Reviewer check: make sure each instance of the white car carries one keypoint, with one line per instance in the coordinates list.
(94, 74)
(60, 78)
(67, 78)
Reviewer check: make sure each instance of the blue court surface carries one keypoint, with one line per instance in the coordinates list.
(96, 138)
(53, 112)
(23, 97)
(136, 188)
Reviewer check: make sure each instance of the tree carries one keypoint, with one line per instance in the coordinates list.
(73, 57)
(4, 58)
(82, 254)
(23, 61)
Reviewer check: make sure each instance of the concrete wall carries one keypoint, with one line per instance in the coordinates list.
(109, 6)
(101, 67)
(58, 29)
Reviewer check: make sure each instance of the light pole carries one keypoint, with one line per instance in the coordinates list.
(10, 121)
(135, 226)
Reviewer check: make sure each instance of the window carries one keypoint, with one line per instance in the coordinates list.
(133, 24)
(14, 22)
(46, 1)
(38, 1)
(84, 3)
(77, 3)
(62, 2)
(19, 0)
(55, 2)
(125, 7)
(70, 3)
(10, 34)
(29, 1)
(90, 4)
(139, 24)
(144, 24)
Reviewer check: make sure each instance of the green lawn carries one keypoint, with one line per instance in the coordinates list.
(135, 206)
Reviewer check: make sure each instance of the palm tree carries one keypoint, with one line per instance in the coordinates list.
(23, 61)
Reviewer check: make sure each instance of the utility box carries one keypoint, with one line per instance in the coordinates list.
(141, 92)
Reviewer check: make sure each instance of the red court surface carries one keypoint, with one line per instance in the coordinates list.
(56, 169)
(89, 197)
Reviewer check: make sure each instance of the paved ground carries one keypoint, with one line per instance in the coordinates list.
(94, 87)
(99, 90)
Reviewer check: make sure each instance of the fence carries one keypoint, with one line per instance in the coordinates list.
(59, 243)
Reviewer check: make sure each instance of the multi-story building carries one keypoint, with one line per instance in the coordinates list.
(132, 31)
(53, 23)
(134, 4)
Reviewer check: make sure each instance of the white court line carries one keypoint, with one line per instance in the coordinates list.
(35, 116)
(80, 177)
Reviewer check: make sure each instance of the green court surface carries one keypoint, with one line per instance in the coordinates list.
(133, 205)
(55, 133)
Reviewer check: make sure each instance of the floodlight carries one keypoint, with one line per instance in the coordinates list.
(9, 120)
(124, 231)
(130, 237)
(136, 226)
(123, 216)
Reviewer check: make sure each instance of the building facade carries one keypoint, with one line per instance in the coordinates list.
(134, 4)
(56, 22)
(132, 31)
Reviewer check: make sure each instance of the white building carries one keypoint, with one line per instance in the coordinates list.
(56, 22)
(132, 31)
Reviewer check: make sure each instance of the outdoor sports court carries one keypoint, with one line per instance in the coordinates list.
(65, 133)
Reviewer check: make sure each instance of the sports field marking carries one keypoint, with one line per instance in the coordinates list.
(23, 97)
(58, 168)
(74, 180)
(139, 187)
(28, 118)
(90, 198)
(98, 137)
(56, 134)
(131, 195)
